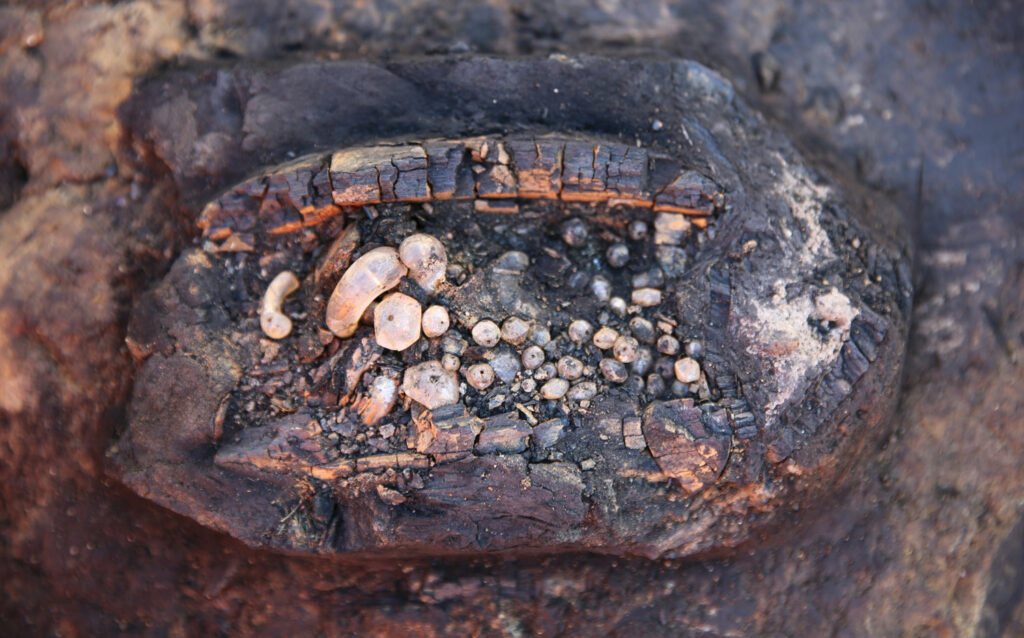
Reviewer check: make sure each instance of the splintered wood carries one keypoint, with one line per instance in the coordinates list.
(495, 172)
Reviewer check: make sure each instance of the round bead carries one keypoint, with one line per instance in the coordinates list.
(480, 375)
(580, 331)
(515, 330)
(486, 333)
(570, 368)
(613, 370)
(625, 349)
(554, 389)
(435, 321)
(605, 337)
(532, 357)
(687, 370)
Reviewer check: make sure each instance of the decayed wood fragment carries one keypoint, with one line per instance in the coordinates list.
(538, 165)
(632, 435)
(683, 448)
(338, 256)
(690, 193)
(504, 434)
(355, 175)
(400, 460)
(494, 171)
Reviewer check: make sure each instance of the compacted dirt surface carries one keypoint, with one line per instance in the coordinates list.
(120, 122)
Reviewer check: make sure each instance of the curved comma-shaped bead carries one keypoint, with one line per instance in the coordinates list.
(370, 276)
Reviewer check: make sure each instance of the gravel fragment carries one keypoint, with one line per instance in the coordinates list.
(643, 362)
(638, 229)
(454, 344)
(506, 366)
(653, 278)
(540, 335)
(655, 385)
(582, 391)
(549, 432)
(634, 384)
(618, 306)
(546, 371)
(513, 261)
(450, 362)
(694, 349)
(430, 385)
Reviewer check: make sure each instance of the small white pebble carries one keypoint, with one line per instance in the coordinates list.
(554, 389)
(687, 370)
(486, 333)
(435, 321)
(605, 337)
